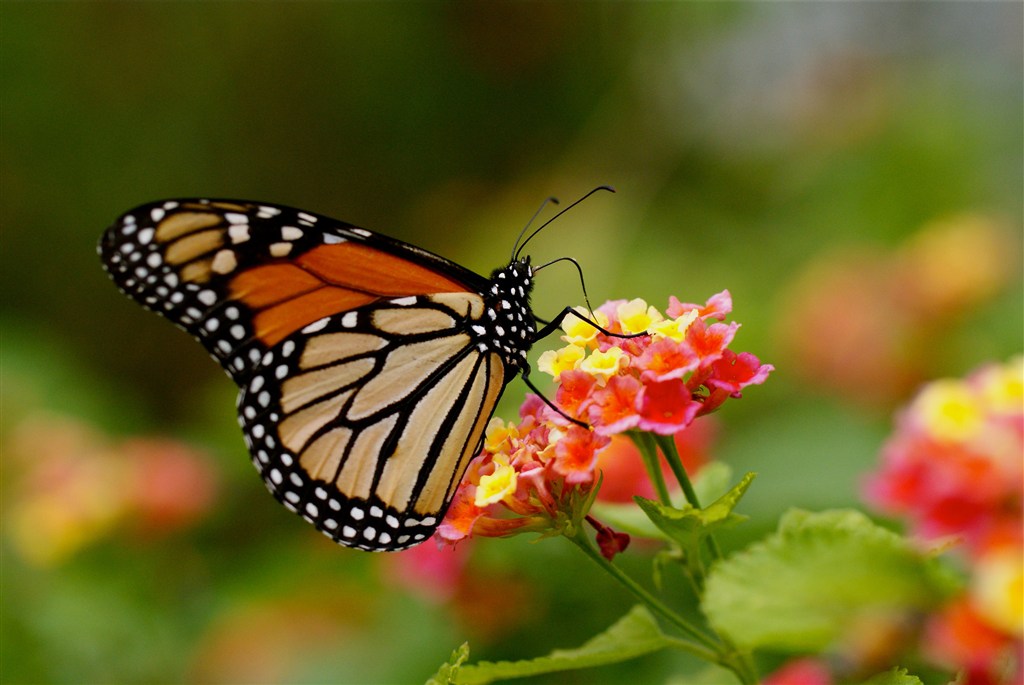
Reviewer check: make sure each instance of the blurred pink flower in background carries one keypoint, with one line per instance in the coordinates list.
(622, 468)
(71, 486)
(879, 315)
(429, 571)
(953, 471)
(488, 603)
(269, 640)
(805, 671)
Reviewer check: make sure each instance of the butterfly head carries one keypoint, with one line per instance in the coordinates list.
(509, 324)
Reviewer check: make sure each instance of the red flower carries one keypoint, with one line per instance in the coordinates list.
(609, 542)
(576, 454)
(614, 407)
(718, 307)
(800, 672)
(540, 472)
(665, 359)
(733, 372)
(462, 514)
(574, 389)
(432, 572)
(708, 342)
(959, 638)
(666, 408)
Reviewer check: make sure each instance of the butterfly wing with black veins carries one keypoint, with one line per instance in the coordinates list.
(368, 367)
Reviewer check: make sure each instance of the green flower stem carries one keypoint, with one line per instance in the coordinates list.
(668, 448)
(710, 649)
(741, 662)
(649, 451)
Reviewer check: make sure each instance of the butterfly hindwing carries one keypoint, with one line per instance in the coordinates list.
(368, 367)
(364, 431)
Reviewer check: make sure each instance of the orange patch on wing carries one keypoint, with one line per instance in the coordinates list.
(276, 323)
(328, 280)
(362, 267)
(271, 284)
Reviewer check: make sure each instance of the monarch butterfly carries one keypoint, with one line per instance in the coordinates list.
(367, 367)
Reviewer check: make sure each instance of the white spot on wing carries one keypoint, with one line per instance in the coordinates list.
(317, 325)
(239, 233)
(224, 262)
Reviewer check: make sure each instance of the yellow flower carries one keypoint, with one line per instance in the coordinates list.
(997, 590)
(673, 328)
(579, 331)
(604, 365)
(499, 436)
(636, 317)
(498, 485)
(554, 362)
(950, 411)
(1003, 387)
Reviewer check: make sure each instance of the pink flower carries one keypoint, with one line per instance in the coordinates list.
(953, 466)
(576, 454)
(717, 307)
(953, 469)
(613, 408)
(801, 672)
(666, 408)
(539, 473)
(666, 359)
(432, 572)
(733, 372)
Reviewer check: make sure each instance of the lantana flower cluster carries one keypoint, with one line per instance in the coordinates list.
(953, 470)
(72, 486)
(649, 371)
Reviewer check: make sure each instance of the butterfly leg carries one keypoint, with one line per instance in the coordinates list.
(548, 402)
(553, 325)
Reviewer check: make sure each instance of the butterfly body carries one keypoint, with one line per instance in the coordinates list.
(367, 367)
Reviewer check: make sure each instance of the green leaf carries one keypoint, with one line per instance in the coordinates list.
(897, 676)
(633, 635)
(627, 518)
(712, 480)
(803, 586)
(447, 674)
(688, 526)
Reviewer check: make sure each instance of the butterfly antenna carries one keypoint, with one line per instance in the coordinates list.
(579, 270)
(550, 200)
(515, 254)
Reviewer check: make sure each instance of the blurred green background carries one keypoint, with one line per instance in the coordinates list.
(852, 173)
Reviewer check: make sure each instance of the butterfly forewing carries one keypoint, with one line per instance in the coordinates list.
(241, 276)
(368, 367)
